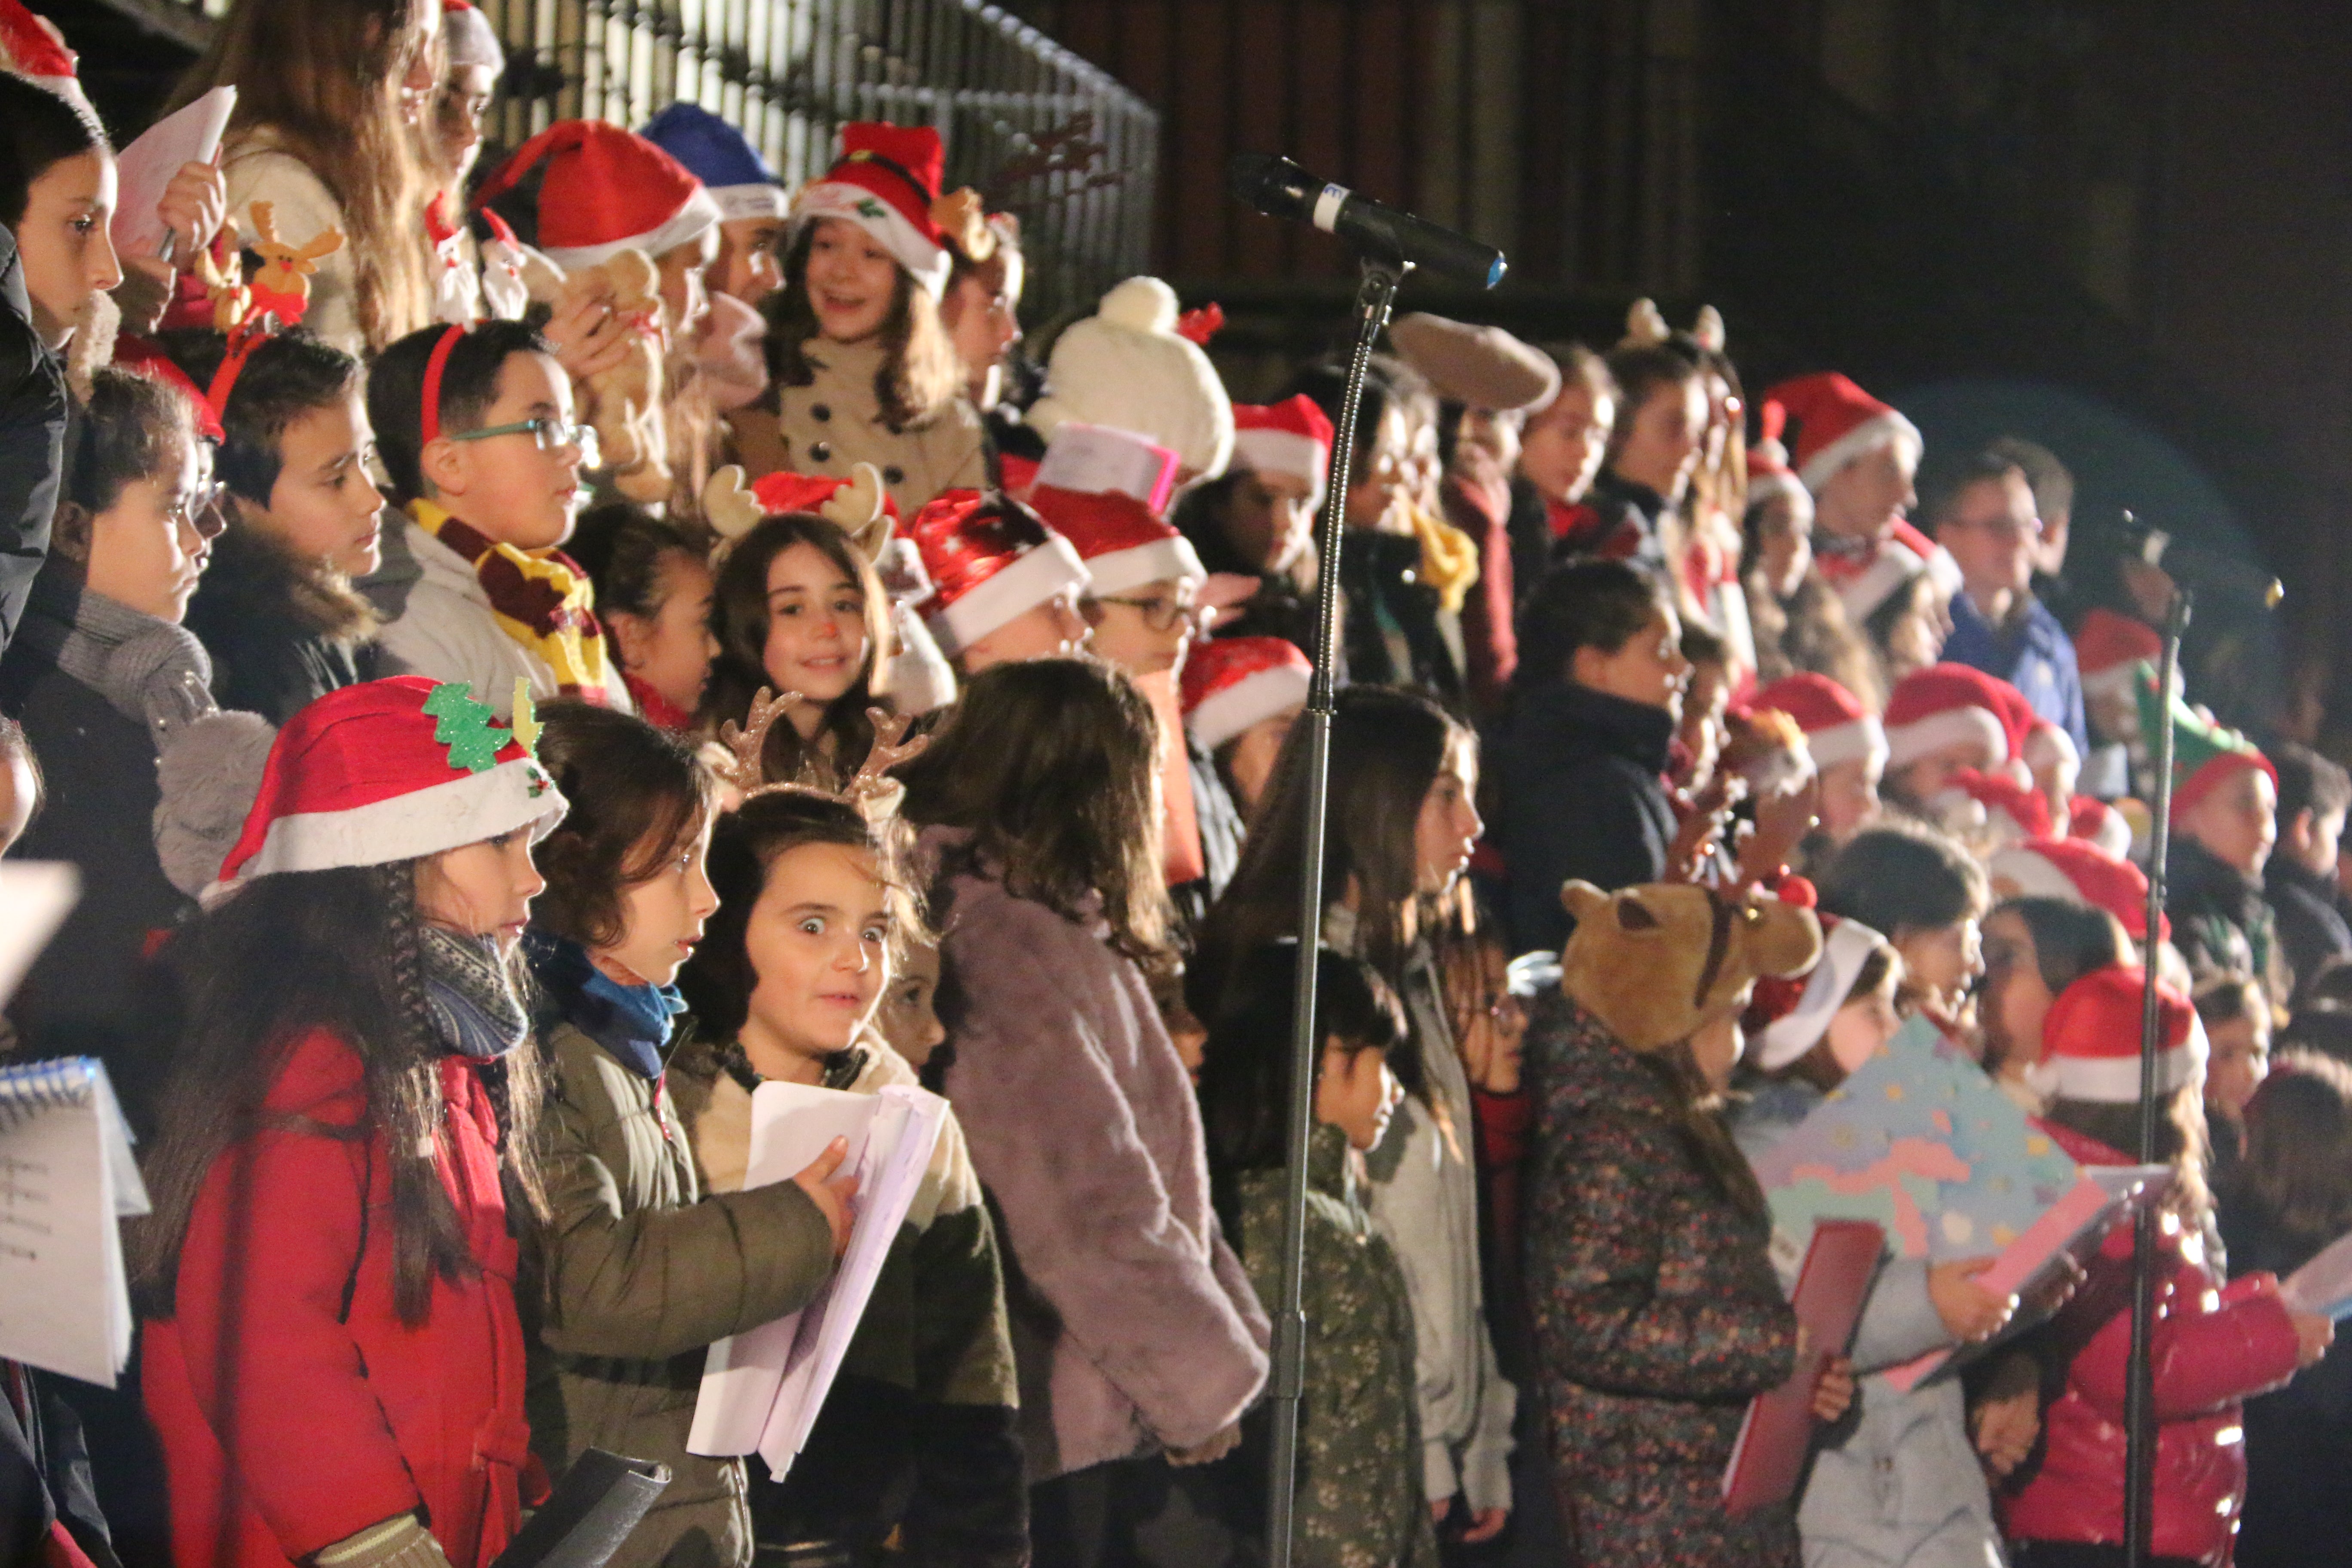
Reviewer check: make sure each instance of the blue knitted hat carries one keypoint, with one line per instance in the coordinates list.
(717, 155)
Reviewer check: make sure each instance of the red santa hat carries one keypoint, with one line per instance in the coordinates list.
(2078, 872)
(887, 183)
(1943, 704)
(1836, 422)
(1293, 437)
(2090, 1040)
(1233, 683)
(1793, 1018)
(605, 190)
(1769, 473)
(1866, 580)
(1838, 728)
(31, 46)
(1980, 802)
(2108, 647)
(1096, 457)
(393, 770)
(2097, 824)
(1123, 544)
(991, 559)
(784, 490)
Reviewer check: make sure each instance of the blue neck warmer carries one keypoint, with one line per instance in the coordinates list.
(631, 1022)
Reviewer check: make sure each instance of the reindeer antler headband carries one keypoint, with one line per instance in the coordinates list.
(871, 790)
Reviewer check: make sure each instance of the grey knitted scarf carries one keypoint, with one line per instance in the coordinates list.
(150, 671)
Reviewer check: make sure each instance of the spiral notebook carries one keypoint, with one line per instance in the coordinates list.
(66, 1176)
(761, 1390)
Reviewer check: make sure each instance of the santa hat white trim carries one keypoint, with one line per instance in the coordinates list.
(2114, 1080)
(2033, 876)
(2048, 742)
(688, 224)
(407, 826)
(914, 250)
(1907, 743)
(2115, 677)
(1256, 697)
(758, 201)
(1848, 945)
(1763, 487)
(1042, 571)
(1895, 564)
(1285, 452)
(1843, 743)
(1870, 434)
(1117, 570)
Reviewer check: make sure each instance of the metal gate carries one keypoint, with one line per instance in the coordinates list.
(1043, 133)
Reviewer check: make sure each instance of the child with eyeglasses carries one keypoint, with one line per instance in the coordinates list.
(478, 434)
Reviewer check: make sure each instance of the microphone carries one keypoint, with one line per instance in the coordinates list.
(1280, 188)
(2207, 570)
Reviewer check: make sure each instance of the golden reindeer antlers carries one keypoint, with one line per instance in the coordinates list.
(746, 743)
(873, 783)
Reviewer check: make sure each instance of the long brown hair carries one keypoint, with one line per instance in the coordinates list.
(1388, 747)
(325, 77)
(2296, 1175)
(337, 950)
(739, 618)
(1053, 765)
(921, 372)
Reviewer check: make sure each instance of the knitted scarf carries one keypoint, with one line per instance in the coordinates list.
(151, 671)
(541, 598)
(632, 1022)
(468, 990)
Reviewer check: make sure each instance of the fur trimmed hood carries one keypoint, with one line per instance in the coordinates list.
(254, 582)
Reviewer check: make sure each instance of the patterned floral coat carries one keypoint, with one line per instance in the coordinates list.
(1657, 1313)
(1360, 1493)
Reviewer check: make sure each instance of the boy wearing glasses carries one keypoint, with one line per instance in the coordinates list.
(477, 437)
(1988, 519)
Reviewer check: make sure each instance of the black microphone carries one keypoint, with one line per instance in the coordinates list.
(2207, 570)
(1280, 188)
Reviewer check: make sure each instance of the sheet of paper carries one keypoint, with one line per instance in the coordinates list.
(897, 1154)
(35, 896)
(791, 1126)
(144, 169)
(2324, 1285)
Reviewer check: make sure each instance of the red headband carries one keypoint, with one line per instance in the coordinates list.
(429, 417)
(248, 336)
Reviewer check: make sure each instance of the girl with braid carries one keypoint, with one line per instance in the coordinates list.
(333, 1362)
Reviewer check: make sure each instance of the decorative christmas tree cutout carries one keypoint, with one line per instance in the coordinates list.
(463, 725)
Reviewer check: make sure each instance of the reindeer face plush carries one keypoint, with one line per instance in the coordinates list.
(1653, 963)
(623, 400)
(282, 286)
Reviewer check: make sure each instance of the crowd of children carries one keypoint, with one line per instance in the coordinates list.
(523, 655)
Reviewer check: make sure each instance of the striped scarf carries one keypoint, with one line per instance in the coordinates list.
(541, 598)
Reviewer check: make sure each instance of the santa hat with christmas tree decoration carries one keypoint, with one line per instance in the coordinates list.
(719, 156)
(990, 559)
(1769, 474)
(2108, 645)
(1293, 438)
(1943, 704)
(2090, 1040)
(2205, 754)
(393, 770)
(888, 182)
(468, 39)
(1231, 684)
(1127, 366)
(2077, 872)
(1787, 1018)
(31, 46)
(601, 190)
(1838, 728)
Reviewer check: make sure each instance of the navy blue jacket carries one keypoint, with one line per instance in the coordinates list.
(1580, 797)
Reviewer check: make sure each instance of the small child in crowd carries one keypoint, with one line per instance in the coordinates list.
(654, 595)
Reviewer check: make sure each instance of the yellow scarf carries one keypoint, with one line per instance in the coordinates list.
(1449, 558)
(540, 598)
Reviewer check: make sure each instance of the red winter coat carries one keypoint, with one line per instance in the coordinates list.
(2213, 1345)
(294, 1407)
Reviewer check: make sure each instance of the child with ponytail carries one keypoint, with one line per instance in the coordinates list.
(640, 1270)
(333, 1361)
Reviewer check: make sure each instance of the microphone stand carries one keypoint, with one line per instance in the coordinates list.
(2140, 1451)
(1374, 297)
